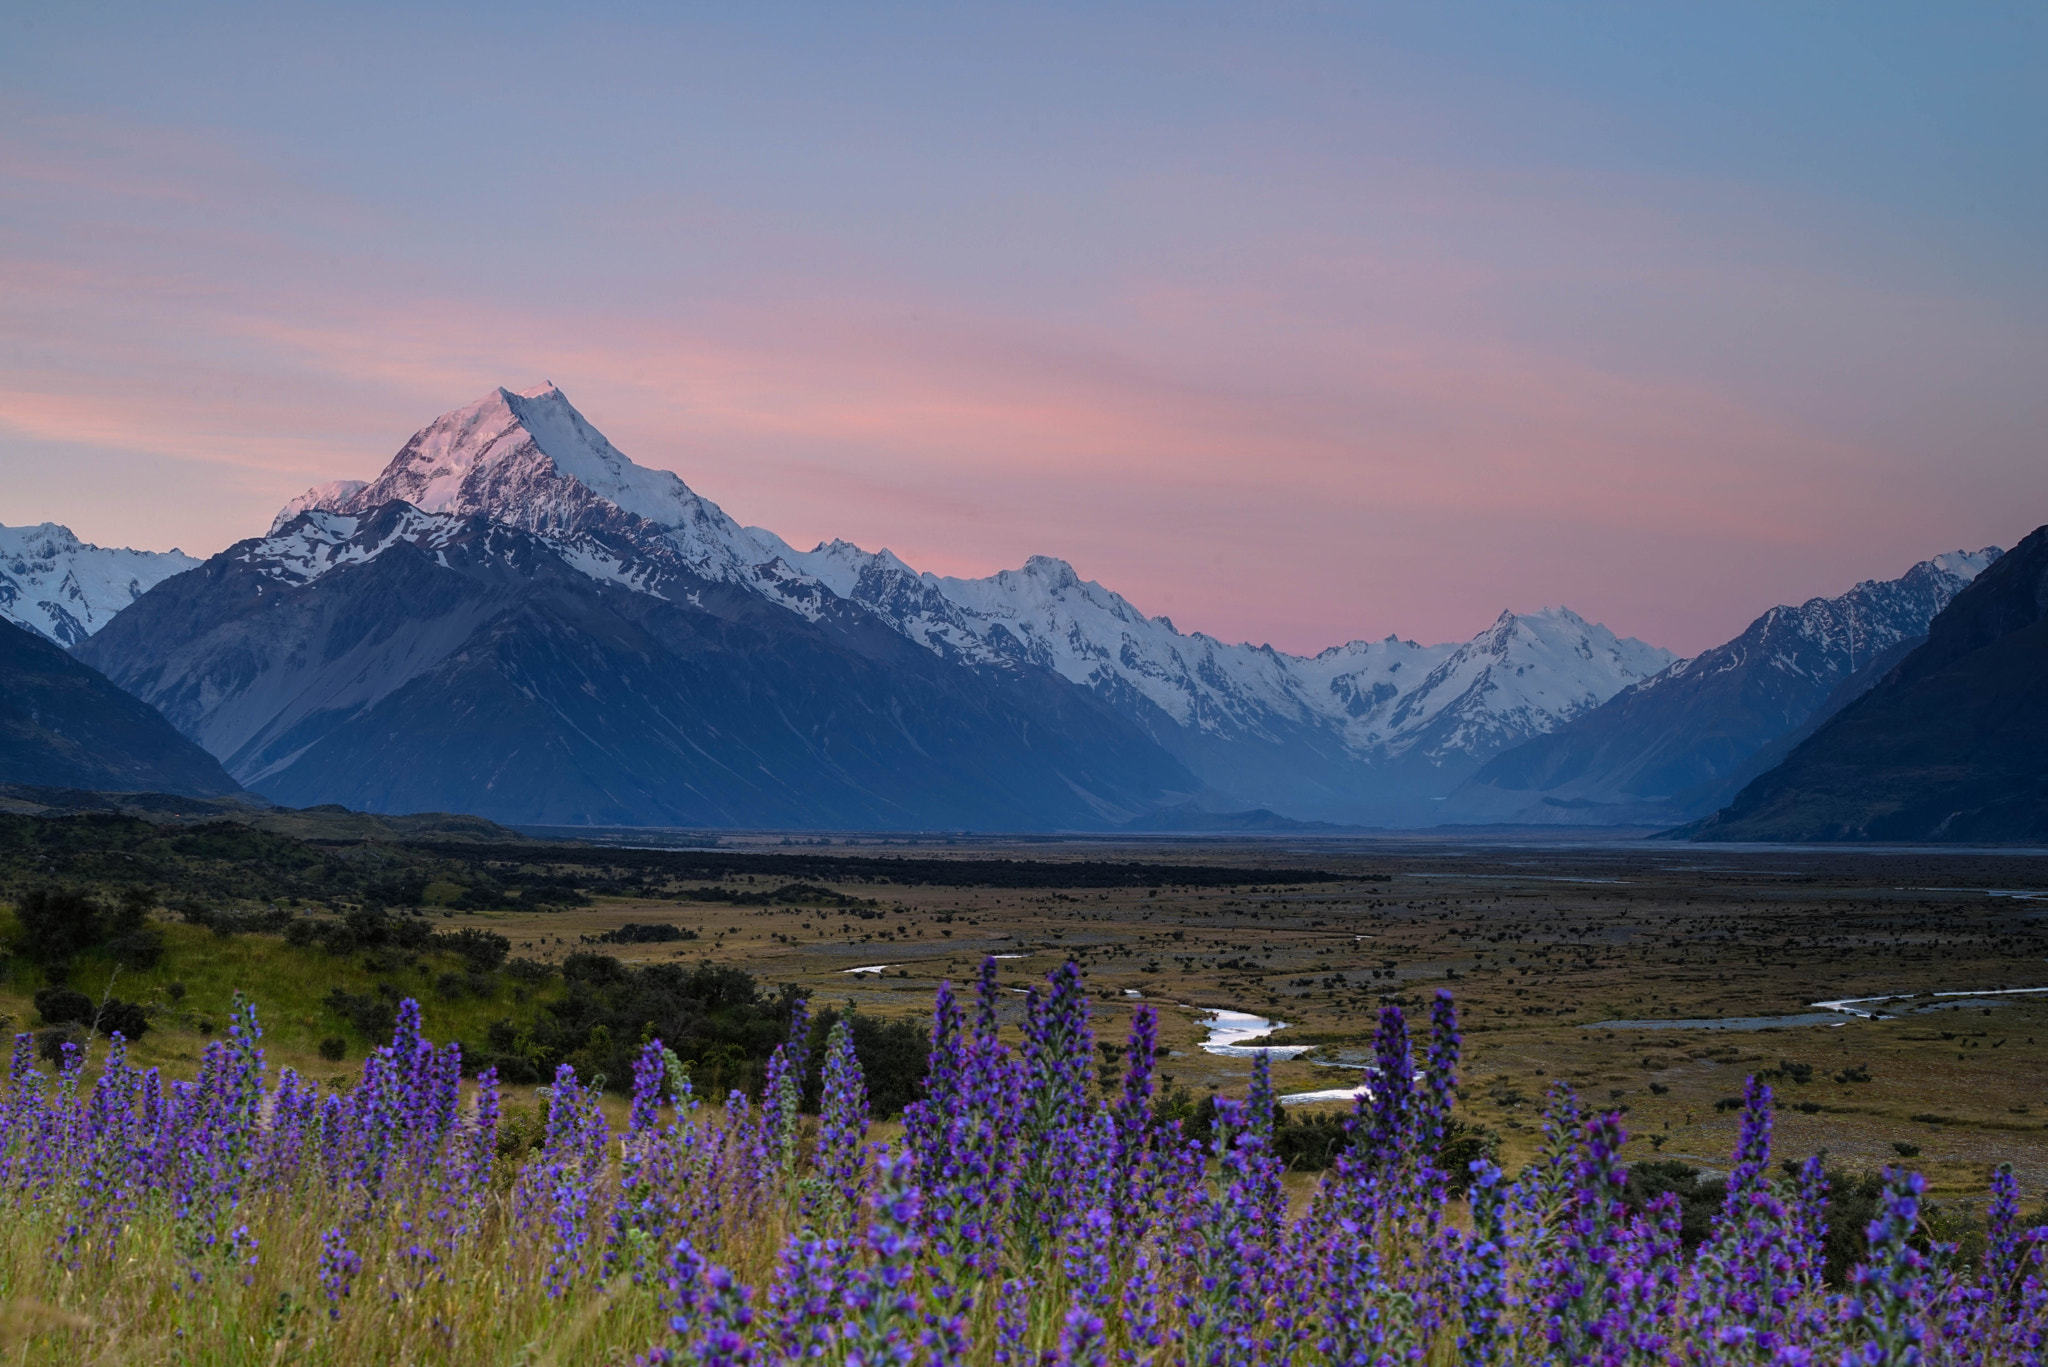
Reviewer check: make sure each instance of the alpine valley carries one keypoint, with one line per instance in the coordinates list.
(515, 620)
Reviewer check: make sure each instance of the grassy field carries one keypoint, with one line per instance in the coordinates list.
(1539, 944)
(1647, 977)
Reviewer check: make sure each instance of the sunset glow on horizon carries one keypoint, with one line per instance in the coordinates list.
(1297, 325)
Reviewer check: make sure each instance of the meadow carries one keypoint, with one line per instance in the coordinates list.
(1641, 1146)
(1022, 1215)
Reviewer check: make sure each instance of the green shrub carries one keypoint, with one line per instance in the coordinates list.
(484, 949)
(62, 1006)
(57, 925)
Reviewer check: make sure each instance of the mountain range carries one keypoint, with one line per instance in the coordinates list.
(426, 613)
(516, 620)
(1681, 743)
(1950, 744)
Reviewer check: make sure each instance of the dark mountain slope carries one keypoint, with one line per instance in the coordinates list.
(64, 725)
(401, 661)
(1680, 744)
(1950, 745)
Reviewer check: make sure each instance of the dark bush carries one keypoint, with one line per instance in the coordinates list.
(375, 1014)
(413, 932)
(716, 1019)
(57, 925)
(367, 927)
(1852, 1204)
(530, 971)
(334, 1048)
(50, 1043)
(632, 933)
(484, 949)
(893, 1058)
(62, 1006)
(142, 947)
(1310, 1143)
(133, 942)
(126, 1019)
(270, 921)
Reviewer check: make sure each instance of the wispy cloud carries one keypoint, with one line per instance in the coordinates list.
(1293, 434)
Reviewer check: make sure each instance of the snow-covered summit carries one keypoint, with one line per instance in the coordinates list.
(530, 460)
(66, 589)
(1831, 638)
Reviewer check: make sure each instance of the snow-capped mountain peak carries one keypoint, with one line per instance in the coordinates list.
(332, 494)
(1963, 565)
(530, 459)
(66, 589)
(527, 458)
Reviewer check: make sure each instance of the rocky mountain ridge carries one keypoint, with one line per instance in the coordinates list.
(65, 589)
(1682, 743)
(1950, 744)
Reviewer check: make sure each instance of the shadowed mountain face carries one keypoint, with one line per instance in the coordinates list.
(1952, 744)
(398, 660)
(64, 725)
(1681, 744)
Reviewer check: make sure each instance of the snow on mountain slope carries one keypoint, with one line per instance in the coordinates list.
(316, 542)
(65, 589)
(1683, 742)
(1827, 639)
(531, 460)
(332, 494)
(1517, 679)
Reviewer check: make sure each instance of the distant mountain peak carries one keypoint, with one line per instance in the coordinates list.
(65, 589)
(324, 497)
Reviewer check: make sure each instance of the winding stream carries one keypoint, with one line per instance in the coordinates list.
(1230, 1031)
(1840, 1011)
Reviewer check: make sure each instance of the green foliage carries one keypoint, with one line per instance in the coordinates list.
(485, 950)
(893, 1056)
(57, 924)
(716, 1018)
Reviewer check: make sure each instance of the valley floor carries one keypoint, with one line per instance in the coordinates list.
(1539, 944)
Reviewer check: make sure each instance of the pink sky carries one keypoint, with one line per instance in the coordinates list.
(1280, 392)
